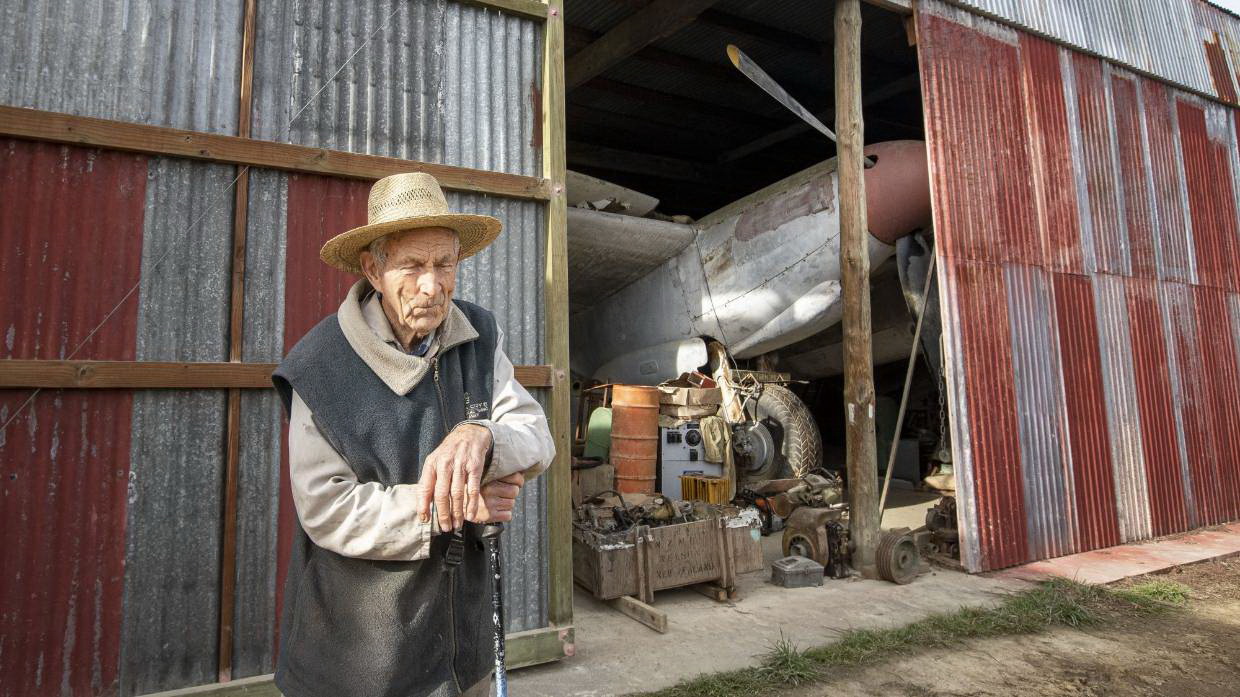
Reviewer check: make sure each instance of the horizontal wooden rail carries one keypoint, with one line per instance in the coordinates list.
(143, 375)
(157, 140)
(534, 9)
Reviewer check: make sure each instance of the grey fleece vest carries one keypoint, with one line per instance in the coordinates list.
(385, 628)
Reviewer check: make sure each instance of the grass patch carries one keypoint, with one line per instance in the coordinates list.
(1155, 594)
(1056, 603)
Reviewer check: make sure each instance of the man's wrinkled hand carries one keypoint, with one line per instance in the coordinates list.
(452, 476)
(497, 499)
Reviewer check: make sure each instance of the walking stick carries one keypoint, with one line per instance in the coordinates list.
(491, 533)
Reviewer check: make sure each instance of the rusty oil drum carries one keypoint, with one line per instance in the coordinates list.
(634, 437)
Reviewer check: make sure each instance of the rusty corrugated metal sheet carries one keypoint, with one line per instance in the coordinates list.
(1052, 160)
(1143, 360)
(1207, 147)
(1186, 42)
(66, 456)
(1156, 407)
(1218, 356)
(1097, 520)
(995, 464)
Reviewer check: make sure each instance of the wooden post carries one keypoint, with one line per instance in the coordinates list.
(855, 269)
(555, 287)
(232, 452)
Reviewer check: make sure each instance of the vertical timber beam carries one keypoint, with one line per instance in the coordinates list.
(236, 329)
(559, 511)
(854, 253)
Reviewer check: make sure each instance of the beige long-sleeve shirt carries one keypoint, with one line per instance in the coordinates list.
(373, 521)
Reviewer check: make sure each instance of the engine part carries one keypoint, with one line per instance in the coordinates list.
(897, 557)
(796, 572)
(941, 522)
(805, 533)
(837, 550)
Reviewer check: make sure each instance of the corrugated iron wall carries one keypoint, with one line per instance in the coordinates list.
(1086, 220)
(111, 581)
(1187, 42)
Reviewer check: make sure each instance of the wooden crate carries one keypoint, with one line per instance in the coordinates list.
(644, 559)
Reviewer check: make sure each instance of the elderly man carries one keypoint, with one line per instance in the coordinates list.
(407, 428)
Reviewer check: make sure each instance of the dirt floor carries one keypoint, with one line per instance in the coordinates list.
(1193, 651)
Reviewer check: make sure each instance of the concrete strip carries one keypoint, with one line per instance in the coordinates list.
(1115, 563)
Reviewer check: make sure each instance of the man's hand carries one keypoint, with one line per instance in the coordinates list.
(497, 500)
(452, 476)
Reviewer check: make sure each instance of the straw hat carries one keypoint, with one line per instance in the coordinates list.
(406, 202)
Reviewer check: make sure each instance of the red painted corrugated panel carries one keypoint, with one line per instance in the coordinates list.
(1219, 363)
(1100, 176)
(1052, 155)
(989, 385)
(980, 156)
(1158, 424)
(1135, 176)
(71, 231)
(1088, 437)
(319, 208)
(1211, 200)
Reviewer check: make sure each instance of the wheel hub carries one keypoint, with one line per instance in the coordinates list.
(753, 442)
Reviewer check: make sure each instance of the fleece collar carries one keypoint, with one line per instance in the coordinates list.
(400, 371)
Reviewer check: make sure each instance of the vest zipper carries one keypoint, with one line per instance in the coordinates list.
(443, 416)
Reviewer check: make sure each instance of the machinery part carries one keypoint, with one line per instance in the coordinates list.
(491, 534)
(897, 557)
(941, 522)
(795, 445)
(837, 550)
(800, 545)
(805, 533)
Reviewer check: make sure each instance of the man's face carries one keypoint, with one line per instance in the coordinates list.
(416, 280)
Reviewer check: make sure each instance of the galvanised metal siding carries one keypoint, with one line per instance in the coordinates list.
(1108, 330)
(1186, 42)
(144, 61)
(1123, 418)
(65, 458)
(431, 80)
(176, 479)
(262, 416)
(1035, 362)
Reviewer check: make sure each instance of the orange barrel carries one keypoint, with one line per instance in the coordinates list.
(634, 437)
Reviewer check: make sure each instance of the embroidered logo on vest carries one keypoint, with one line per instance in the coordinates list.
(476, 410)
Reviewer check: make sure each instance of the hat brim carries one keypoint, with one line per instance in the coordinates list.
(474, 231)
